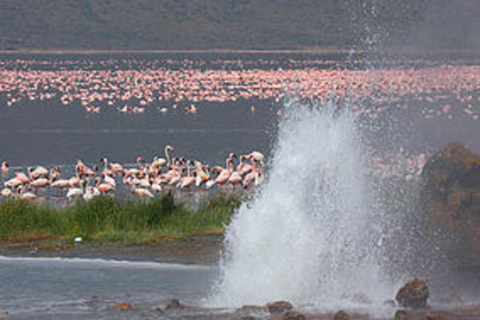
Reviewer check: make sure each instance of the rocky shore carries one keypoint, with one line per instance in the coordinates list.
(411, 304)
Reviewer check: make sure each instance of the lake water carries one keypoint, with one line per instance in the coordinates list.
(43, 131)
(53, 288)
(407, 106)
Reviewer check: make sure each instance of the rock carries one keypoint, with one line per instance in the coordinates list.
(293, 315)
(254, 308)
(121, 306)
(341, 315)
(413, 295)
(248, 318)
(174, 304)
(4, 314)
(451, 202)
(401, 315)
(433, 316)
(279, 306)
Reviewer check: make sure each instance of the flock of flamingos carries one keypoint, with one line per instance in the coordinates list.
(144, 181)
(138, 87)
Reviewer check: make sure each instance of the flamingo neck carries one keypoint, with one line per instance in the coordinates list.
(167, 155)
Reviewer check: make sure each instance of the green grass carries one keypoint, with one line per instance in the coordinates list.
(110, 220)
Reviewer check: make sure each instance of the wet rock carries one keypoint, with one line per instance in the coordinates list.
(401, 315)
(4, 314)
(433, 316)
(451, 203)
(121, 306)
(293, 315)
(279, 306)
(254, 308)
(175, 304)
(413, 295)
(248, 318)
(341, 315)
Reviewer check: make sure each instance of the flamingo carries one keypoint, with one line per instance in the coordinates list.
(176, 178)
(40, 183)
(145, 181)
(141, 192)
(156, 187)
(61, 184)
(83, 170)
(135, 171)
(235, 178)
(189, 180)
(37, 172)
(76, 192)
(4, 168)
(223, 173)
(22, 177)
(91, 193)
(6, 193)
(108, 179)
(13, 183)
(105, 187)
(202, 176)
(55, 172)
(160, 162)
(116, 168)
(106, 170)
(29, 196)
(258, 156)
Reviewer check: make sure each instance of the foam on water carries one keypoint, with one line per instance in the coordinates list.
(97, 262)
(313, 234)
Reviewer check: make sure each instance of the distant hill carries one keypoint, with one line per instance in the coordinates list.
(234, 24)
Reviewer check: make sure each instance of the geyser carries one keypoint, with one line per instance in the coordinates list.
(313, 233)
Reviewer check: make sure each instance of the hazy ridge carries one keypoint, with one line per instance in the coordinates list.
(235, 24)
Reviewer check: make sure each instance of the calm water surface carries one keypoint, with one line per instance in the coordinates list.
(54, 288)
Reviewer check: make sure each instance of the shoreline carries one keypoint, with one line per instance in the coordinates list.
(179, 51)
(313, 51)
(194, 250)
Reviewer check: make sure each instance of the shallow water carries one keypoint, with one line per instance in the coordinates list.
(54, 288)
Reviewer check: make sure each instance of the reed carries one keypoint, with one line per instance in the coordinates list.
(112, 220)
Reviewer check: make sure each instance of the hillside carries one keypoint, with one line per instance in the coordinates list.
(229, 24)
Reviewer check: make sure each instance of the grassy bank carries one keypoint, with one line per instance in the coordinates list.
(111, 220)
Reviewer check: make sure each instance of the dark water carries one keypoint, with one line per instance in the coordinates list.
(47, 134)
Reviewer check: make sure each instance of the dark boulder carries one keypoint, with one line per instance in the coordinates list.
(450, 202)
(175, 304)
(413, 295)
